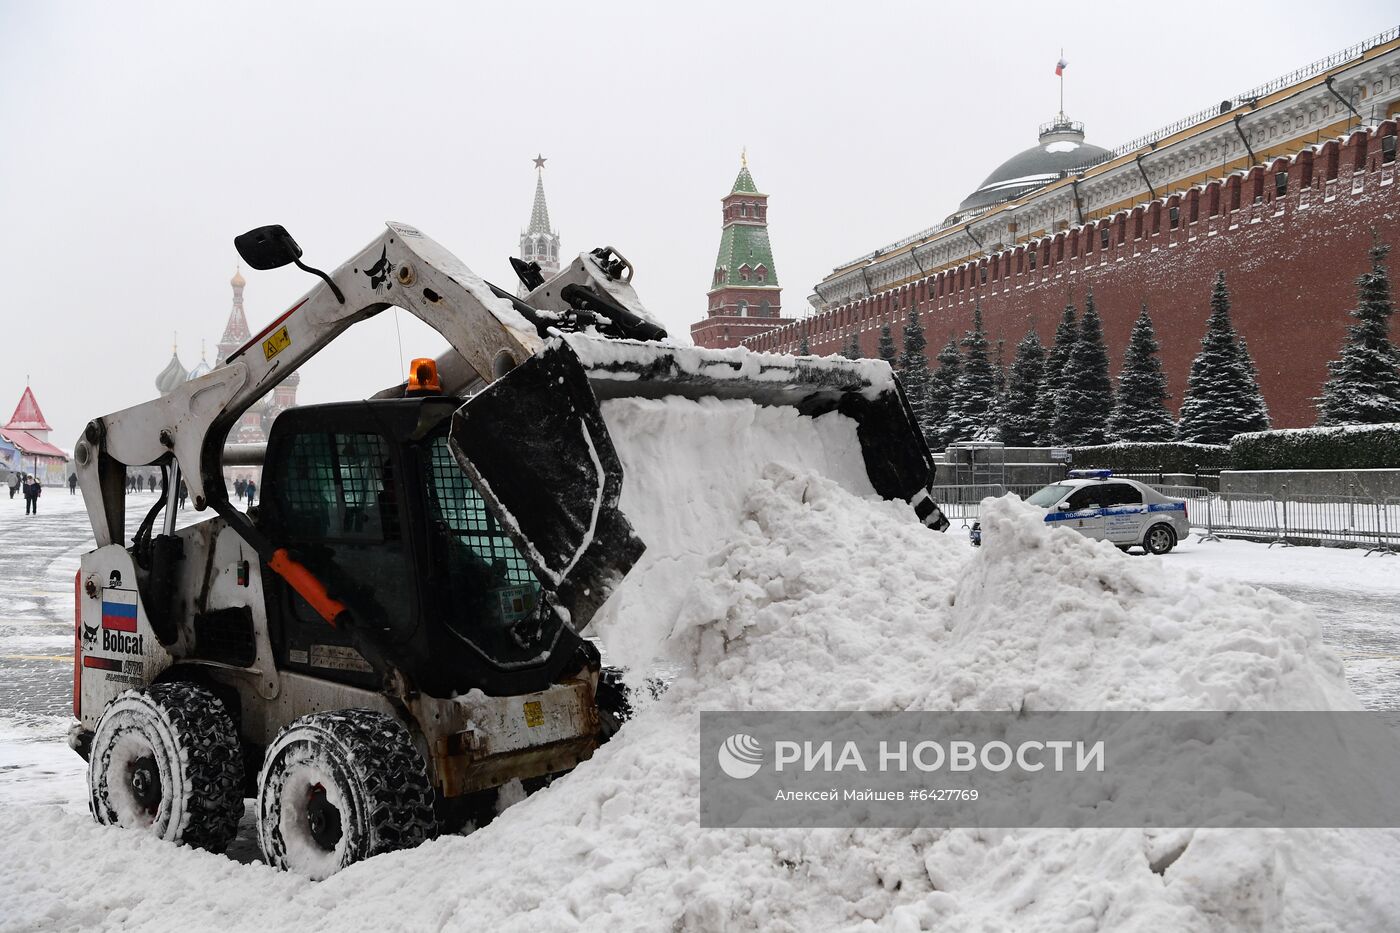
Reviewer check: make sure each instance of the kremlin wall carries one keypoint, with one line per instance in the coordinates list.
(1281, 188)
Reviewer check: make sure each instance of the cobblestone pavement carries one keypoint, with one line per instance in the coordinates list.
(39, 557)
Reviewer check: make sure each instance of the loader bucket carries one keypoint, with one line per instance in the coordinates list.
(897, 460)
(535, 446)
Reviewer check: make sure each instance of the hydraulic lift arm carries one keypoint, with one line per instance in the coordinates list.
(402, 267)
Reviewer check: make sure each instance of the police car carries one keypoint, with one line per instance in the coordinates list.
(1123, 511)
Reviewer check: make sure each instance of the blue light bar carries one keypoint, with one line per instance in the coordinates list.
(1090, 474)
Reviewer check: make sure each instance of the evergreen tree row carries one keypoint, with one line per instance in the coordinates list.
(1062, 395)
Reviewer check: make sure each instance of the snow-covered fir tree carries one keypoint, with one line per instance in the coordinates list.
(1140, 412)
(1066, 336)
(999, 368)
(914, 374)
(940, 396)
(1085, 397)
(999, 381)
(852, 351)
(886, 348)
(802, 348)
(1020, 423)
(973, 408)
(1364, 387)
(1222, 392)
(1247, 359)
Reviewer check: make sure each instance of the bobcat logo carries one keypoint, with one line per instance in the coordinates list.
(114, 582)
(381, 270)
(89, 635)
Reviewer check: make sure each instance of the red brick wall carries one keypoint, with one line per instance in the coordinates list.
(724, 331)
(1290, 261)
(725, 327)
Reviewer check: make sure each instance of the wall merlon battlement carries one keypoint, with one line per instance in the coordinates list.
(1356, 165)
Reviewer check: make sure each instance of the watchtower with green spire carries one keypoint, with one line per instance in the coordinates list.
(744, 297)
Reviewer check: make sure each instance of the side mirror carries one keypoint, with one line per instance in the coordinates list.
(270, 247)
(1063, 506)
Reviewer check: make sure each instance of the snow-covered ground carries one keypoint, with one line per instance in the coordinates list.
(1355, 597)
(794, 593)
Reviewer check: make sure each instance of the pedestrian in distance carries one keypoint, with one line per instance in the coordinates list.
(32, 490)
(240, 486)
(72, 484)
(140, 482)
(184, 493)
(250, 489)
(15, 480)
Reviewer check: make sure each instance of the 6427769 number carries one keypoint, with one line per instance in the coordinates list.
(937, 794)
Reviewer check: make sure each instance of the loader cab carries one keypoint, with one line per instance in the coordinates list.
(370, 498)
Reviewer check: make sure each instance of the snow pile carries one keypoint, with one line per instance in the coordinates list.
(687, 467)
(1051, 621)
(813, 598)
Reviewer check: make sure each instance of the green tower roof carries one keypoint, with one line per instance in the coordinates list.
(742, 244)
(745, 242)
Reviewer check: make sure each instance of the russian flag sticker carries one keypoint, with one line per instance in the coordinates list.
(119, 610)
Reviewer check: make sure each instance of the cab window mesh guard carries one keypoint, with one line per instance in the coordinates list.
(336, 486)
(464, 512)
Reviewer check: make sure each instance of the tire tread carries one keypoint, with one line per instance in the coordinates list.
(213, 762)
(380, 753)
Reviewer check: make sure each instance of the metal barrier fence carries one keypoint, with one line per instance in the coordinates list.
(1391, 528)
(1334, 520)
(964, 503)
(1352, 521)
(1238, 515)
(1189, 493)
(1025, 489)
(1205, 478)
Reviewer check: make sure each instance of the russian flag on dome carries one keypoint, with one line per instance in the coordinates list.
(119, 610)
(1060, 66)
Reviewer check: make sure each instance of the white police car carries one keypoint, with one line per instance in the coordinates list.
(1123, 511)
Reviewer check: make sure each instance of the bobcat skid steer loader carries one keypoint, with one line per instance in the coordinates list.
(395, 631)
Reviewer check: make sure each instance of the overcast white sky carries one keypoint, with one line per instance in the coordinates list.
(136, 139)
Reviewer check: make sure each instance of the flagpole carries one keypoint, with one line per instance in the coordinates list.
(1062, 84)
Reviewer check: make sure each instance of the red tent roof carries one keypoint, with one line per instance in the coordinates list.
(27, 416)
(30, 445)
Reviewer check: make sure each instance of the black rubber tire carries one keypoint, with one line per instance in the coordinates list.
(174, 752)
(364, 766)
(1160, 539)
